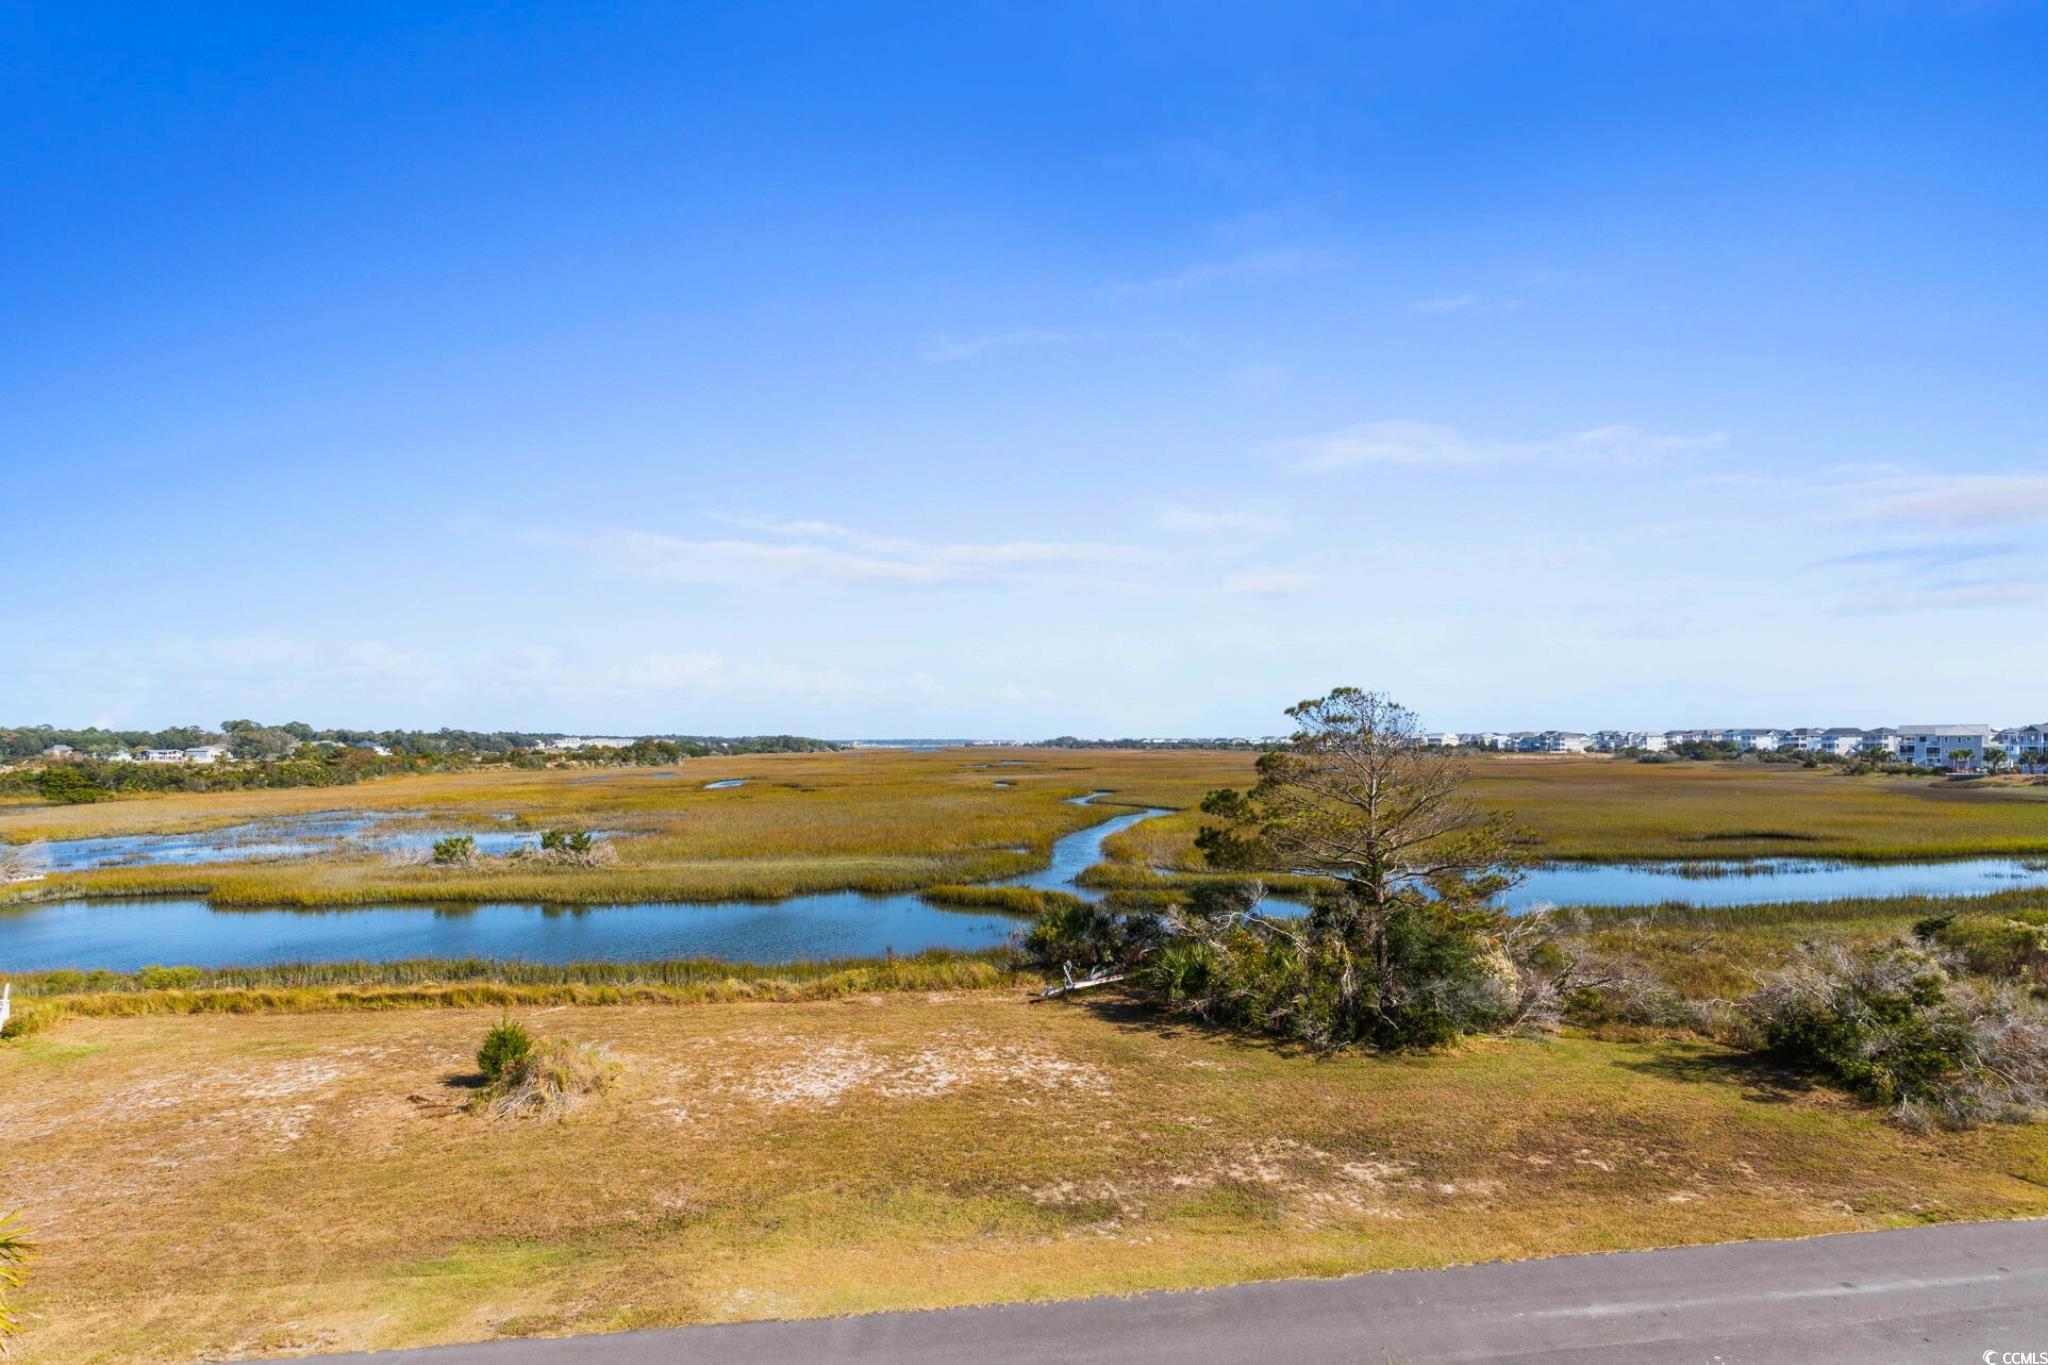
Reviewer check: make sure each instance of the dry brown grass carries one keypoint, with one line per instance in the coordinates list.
(241, 1186)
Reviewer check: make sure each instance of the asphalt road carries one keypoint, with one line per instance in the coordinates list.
(1937, 1294)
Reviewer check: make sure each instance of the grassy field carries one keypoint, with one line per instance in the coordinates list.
(236, 1186)
(1606, 809)
(871, 821)
(890, 821)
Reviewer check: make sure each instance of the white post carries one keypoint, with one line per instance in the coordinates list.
(6, 1003)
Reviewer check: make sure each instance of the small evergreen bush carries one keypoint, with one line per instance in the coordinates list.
(548, 1081)
(504, 1046)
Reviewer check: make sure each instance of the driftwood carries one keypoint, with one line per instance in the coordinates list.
(1070, 985)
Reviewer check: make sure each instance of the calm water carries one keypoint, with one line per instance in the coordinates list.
(1764, 880)
(329, 833)
(125, 935)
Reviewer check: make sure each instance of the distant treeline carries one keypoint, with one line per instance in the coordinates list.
(1717, 750)
(296, 755)
(248, 739)
(1071, 742)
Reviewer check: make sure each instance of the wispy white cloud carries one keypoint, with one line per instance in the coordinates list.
(814, 552)
(1280, 263)
(1402, 442)
(1964, 501)
(1269, 583)
(947, 346)
(1463, 303)
(709, 673)
(1254, 519)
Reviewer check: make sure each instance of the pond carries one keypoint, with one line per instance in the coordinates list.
(122, 935)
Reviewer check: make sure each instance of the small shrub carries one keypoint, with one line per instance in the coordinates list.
(457, 850)
(25, 1020)
(1072, 932)
(1890, 1024)
(15, 1250)
(574, 847)
(549, 1081)
(2007, 947)
(567, 841)
(506, 1044)
(1412, 975)
(67, 786)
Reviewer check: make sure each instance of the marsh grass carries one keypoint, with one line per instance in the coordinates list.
(466, 983)
(1598, 809)
(1009, 900)
(890, 821)
(873, 822)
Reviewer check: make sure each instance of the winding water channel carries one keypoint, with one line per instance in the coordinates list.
(123, 935)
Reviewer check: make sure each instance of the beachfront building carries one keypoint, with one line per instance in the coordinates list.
(2025, 745)
(1614, 741)
(1935, 746)
(1841, 740)
(206, 753)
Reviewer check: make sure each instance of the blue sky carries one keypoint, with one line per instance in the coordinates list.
(1005, 371)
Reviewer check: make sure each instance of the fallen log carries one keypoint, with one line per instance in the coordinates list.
(1071, 985)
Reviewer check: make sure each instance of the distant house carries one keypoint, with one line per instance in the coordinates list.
(1563, 742)
(1931, 746)
(569, 742)
(1614, 741)
(206, 753)
(1841, 740)
(382, 751)
(118, 756)
(59, 751)
(2025, 744)
(163, 755)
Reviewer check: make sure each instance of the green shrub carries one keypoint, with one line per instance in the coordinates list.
(25, 1020)
(505, 1045)
(457, 850)
(1415, 974)
(548, 1081)
(2008, 948)
(1876, 1020)
(577, 841)
(167, 978)
(1077, 933)
(15, 1249)
(67, 786)
(1890, 1024)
